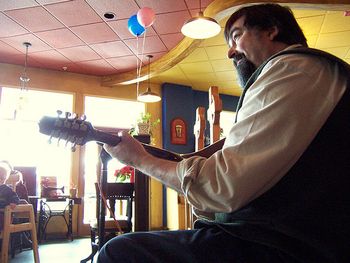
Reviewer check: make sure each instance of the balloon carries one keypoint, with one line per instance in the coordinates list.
(134, 27)
(145, 16)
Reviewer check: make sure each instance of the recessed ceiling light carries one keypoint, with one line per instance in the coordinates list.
(109, 15)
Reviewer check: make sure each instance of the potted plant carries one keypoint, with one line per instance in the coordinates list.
(125, 175)
(145, 124)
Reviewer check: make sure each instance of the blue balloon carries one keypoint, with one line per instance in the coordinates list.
(134, 26)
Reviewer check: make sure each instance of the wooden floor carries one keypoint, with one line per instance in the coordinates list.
(57, 252)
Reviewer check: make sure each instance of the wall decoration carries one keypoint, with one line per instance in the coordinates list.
(178, 130)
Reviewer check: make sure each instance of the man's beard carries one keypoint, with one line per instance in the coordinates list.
(244, 68)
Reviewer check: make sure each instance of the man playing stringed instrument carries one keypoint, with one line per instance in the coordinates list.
(278, 190)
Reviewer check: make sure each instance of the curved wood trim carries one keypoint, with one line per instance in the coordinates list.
(169, 60)
(218, 9)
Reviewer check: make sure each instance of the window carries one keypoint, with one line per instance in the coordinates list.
(227, 119)
(104, 113)
(113, 113)
(20, 139)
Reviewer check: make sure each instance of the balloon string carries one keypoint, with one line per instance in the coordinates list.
(137, 57)
(137, 66)
(143, 48)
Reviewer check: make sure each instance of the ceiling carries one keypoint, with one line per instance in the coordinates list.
(74, 36)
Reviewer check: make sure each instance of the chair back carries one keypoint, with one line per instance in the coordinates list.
(24, 211)
(123, 192)
(29, 178)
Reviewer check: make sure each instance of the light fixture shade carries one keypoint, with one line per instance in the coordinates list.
(201, 27)
(148, 96)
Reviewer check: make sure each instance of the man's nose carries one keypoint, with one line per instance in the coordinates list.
(231, 52)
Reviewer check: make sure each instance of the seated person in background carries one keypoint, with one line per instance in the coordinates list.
(20, 187)
(14, 180)
(7, 195)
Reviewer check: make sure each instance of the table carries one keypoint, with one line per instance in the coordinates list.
(46, 213)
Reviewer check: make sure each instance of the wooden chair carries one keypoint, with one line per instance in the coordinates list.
(20, 211)
(115, 196)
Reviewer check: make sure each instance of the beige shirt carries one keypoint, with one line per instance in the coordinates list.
(281, 114)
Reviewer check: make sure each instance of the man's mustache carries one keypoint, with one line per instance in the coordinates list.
(237, 57)
(244, 68)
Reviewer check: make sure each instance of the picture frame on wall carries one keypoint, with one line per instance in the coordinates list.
(178, 129)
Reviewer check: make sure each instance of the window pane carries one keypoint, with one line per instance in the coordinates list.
(21, 142)
(112, 112)
(227, 119)
(35, 103)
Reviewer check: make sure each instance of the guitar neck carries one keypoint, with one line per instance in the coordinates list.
(79, 131)
(114, 140)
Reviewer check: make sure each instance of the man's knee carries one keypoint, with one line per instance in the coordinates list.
(116, 250)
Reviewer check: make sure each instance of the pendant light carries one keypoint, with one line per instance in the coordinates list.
(148, 95)
(24, 78)
(23, 96)
(200, 26)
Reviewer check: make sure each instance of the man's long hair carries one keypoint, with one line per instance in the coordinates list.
(266, 16)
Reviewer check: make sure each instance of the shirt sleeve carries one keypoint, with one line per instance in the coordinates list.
(280, 115)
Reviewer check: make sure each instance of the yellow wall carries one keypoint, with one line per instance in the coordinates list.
(174, 212)
(81, 85)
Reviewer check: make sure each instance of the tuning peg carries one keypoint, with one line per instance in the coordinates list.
(67, 141)
(63, 135)
(68, 114)
(58, 141)
(73, 148)
(73, 140)
(75, 123)
(51, 136)
(59, 112)
(83, 117)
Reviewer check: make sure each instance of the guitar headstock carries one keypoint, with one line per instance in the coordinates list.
(68, 127)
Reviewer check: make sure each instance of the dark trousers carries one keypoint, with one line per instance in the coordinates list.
(204, 245)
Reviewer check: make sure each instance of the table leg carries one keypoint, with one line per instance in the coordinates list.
(70, 221)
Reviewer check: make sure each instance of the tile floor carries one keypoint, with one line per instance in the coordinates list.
(57, 252)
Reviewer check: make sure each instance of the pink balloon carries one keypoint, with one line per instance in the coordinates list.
(145, 16)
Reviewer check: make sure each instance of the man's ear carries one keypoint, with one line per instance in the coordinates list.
(273, 32)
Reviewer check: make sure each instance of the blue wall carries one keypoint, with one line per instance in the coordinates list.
(182, 101)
